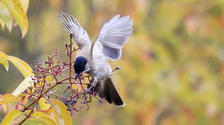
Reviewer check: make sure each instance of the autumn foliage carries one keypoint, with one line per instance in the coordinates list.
(172, 66)
(38, 89)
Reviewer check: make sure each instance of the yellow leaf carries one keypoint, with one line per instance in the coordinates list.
(23, 67)
(27, 82)
(42, 118)
(43, 105)
(10, 117)
(25, 4)
(5, 16)
(48, 79)
(51, 112)
(38, 114)
(16, 9)
(8, 98)
(62, 113)
(53, 115)
(2, 24)
(4, 60)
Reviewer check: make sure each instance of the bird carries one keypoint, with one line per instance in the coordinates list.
(92, 58)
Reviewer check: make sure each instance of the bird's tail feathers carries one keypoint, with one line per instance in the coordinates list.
(108, 92)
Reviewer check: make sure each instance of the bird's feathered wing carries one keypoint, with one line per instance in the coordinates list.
(113, 36)
(72, 26)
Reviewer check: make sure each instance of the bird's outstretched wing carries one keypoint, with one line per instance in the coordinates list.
(113, 36)
(72, 26)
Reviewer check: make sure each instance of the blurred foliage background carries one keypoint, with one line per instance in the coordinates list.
(172, 67)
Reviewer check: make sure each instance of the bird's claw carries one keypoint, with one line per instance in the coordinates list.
(84, 94)
(87, 91)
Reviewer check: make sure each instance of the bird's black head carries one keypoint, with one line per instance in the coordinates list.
(79, 65)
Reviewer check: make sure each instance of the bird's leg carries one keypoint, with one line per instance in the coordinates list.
(117, 68)
(93, 84)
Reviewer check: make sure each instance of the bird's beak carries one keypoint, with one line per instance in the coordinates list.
(76, 75)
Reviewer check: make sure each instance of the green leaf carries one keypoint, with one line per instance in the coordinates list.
(23, 67)
(63, 115)
(4, 60)
(16, 9)
(10, 117)
(5, 16)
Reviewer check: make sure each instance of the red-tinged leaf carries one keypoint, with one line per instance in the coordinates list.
(5, 106)
(4, 60)
(53, 115)
(11, 116)
(8, 98)
(23, 67)
(63, 115)
(24, 99)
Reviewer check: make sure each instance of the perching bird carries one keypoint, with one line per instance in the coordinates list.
(92, 58)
